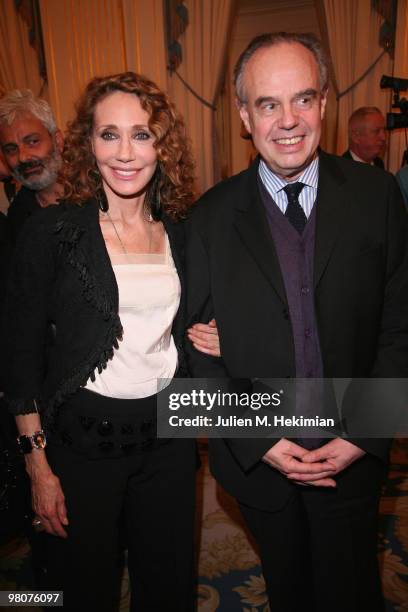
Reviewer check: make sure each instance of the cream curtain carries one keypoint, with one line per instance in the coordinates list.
(204, 45)
(145, 39)
(88, 38)
(82, 39)
(18, 60)
(351, 30)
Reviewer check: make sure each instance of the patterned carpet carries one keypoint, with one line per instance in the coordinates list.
(230, 577)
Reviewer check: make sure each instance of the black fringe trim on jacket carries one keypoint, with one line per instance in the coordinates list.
(69, 236)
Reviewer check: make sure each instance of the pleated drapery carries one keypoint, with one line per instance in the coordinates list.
(204, 45)
(352, 30)
(82, 39)
(18, 60)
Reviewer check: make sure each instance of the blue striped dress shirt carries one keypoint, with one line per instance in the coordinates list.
(274, 185)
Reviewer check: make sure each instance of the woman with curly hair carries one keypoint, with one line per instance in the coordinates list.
(105, 268)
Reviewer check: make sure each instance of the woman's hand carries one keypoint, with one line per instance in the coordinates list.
(204, 338)
(47, 496)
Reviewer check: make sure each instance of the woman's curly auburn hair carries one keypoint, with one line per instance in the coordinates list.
(80, 177)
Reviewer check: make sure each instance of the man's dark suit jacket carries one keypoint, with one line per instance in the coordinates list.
(377, 161)
(5, 248)
(361, 302)
(23, 205)
(4, 254)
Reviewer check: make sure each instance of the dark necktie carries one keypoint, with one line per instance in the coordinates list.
(294, 211)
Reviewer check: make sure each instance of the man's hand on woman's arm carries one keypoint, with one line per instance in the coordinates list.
(204, 337)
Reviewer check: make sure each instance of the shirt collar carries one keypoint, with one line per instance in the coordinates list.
(358, 159)
(274, 184)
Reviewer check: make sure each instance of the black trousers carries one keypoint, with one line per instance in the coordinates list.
(146, 484)
(319, 553)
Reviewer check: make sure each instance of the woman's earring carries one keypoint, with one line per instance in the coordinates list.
(153, 200)
(102, 201)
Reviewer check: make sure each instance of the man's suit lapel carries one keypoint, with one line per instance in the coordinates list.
(332, 212)
(251, 223)
(332, 215)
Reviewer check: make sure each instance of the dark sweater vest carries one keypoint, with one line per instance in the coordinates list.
(296, 259)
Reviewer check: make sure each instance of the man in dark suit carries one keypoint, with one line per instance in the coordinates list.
(367, 136)
(32, 145)
(300, 259)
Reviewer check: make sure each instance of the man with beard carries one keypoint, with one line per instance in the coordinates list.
(32, 146)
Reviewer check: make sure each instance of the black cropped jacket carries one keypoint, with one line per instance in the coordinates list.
(61, 274)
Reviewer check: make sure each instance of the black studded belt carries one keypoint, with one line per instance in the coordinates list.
(99, 426)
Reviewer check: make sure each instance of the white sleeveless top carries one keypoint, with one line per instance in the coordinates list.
(149, 296)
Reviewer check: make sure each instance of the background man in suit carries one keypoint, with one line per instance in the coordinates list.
(367, 136)
(300, 259)
(32, 145)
